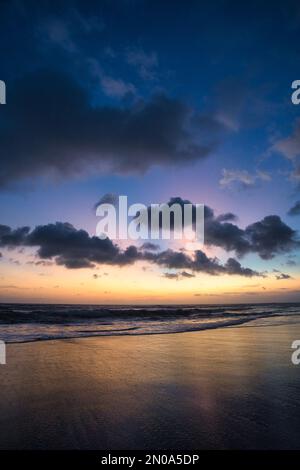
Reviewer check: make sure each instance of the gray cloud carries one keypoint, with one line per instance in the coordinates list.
(75, 249)
(295, 210)
(13, 238)
(199, 262)
(171, 276)
(186, 274)
(267, 237)
(50, 127)
(178, 276)
(150, 246)
(271, 236)
(108, 198)
(283, 276)
(242, 178)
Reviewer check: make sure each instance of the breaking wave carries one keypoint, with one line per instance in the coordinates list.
(30, 322)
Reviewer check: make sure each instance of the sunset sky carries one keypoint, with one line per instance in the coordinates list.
(154, 100)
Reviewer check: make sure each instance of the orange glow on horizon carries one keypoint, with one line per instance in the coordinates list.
(140, 283)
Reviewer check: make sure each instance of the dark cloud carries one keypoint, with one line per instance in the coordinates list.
(12, 238)
(74, 249)
(43, 263)
(51, 127)
(40, 263)
(173, 200)
(267, 237)
(271, 236)
(150, 246)
(71, 247)
(178, 276)
(225, 235)
(208, 213)
(186, 274)
(228, 217)
(291, 262)
(295, 210)
(232, 266)
(170, 259)
(108, 198)
(281, 276)
(199, 262)
(171, 276)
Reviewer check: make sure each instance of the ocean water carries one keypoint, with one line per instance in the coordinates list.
(31, 322)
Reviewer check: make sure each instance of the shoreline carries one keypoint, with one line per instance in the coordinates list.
(206, 328)
(10, 330)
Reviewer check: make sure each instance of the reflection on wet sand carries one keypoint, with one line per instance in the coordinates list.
(229, 388)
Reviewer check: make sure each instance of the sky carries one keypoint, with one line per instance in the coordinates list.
(153, 100)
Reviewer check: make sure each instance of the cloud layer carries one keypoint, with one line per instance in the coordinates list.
(75, 249)
(51, 127)
(267, 237)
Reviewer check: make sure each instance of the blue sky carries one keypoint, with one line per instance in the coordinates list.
(226, 66)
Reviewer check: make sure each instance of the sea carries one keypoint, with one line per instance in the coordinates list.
(21, 323)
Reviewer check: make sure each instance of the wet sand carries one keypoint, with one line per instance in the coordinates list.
(231, 388)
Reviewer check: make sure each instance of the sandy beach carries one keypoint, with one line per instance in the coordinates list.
(218, 389)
